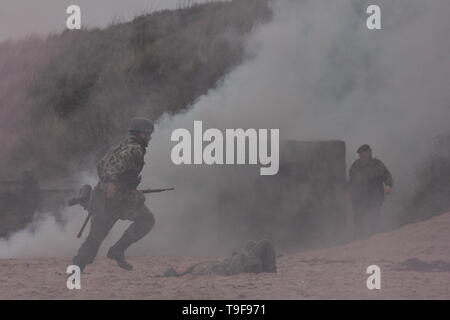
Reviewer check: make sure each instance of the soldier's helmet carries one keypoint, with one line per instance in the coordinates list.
(141, 124)
(364, 148)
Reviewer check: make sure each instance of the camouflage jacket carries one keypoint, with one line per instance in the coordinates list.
(366, 180)
(123, 164)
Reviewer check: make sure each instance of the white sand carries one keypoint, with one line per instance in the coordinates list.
(333, 273)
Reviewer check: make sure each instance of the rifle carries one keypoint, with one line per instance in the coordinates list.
(80, 233)
(146, 191)
(85, 198)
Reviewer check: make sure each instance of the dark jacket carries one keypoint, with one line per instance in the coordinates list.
(366, 181)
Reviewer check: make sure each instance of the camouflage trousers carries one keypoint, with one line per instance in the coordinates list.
(124, 206)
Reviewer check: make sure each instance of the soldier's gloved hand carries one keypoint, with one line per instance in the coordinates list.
(111, 190)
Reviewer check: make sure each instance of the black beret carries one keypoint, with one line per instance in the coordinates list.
(364, 148)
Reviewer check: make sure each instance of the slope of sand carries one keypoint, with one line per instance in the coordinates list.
(332, 273)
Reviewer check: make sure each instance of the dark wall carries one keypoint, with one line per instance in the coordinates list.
(301, 207)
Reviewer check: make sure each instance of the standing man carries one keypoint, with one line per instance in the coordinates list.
(369, 181)
(116, 198)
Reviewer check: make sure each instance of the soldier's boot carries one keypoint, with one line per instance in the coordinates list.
(137, 230)
(77, 262)
(89, 249)
(88, 252)
(118, 255)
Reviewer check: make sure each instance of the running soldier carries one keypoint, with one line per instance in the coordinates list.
(116, 198)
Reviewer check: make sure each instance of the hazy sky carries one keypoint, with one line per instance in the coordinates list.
(19, 18)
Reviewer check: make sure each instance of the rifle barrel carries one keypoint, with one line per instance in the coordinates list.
(156, 190)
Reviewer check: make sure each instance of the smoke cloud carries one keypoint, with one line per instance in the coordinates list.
(318, 73)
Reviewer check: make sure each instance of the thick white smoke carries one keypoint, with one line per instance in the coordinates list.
(316, 72)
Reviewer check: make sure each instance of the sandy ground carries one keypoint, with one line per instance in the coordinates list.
(332, 273)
